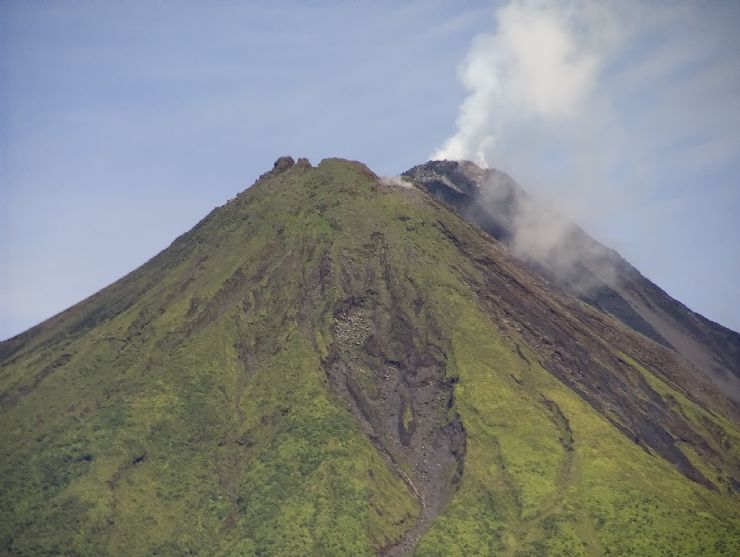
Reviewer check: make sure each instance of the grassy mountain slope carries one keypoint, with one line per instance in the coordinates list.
(579, 265)
(331, 365)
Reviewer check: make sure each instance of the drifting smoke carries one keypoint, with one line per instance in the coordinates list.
(569, 255)
(540, 67)
(539, 236)
(540, 64)
(395, 181)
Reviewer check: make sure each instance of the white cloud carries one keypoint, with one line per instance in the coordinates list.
(604, 110)
(541, 63)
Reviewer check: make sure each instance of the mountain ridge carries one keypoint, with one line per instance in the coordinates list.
(494, 201)
(332, 364)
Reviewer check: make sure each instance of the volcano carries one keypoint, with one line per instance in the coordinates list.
(334, 363)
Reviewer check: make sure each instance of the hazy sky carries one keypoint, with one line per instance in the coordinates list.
(123, 123)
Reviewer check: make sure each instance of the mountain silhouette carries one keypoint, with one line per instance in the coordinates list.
(335, 363)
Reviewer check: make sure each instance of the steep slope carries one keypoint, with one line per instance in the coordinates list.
(331, 364)
(576, 263)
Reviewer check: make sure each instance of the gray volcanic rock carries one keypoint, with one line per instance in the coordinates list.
(576, 263)
(283, 164)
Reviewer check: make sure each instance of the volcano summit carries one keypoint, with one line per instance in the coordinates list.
(338, 364)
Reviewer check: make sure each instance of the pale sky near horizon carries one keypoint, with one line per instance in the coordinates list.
(124, 123)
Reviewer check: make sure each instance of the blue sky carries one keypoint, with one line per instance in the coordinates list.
(122, 124)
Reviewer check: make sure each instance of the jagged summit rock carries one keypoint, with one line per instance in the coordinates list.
(282, 164)
(579, 265)
(329, 365)
(463, 176)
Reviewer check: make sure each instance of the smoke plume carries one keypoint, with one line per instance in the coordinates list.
(395, 181)
(540, 68)
(540, 64)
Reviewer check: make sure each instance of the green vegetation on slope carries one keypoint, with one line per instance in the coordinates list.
(157, 436)
(186, 409)
(557, 478)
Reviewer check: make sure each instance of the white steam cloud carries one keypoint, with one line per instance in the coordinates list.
(395, 181)
(541, 63)
(621, 115)
(538, 70)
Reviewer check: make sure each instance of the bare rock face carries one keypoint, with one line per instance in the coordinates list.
(282, 164)
(584, 268)
(303, 163)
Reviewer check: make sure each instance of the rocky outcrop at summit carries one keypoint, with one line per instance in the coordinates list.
(579, 265)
